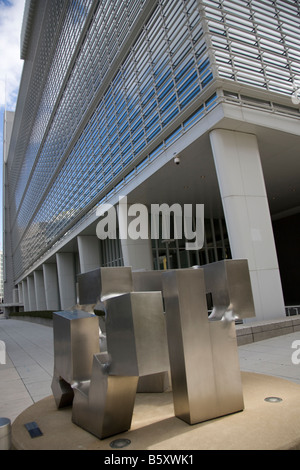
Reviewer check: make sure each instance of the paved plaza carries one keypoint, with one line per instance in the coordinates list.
(26, 377)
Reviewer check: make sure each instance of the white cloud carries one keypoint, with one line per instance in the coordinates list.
(11, 16)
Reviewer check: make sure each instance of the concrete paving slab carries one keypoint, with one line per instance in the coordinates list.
(272, 356)
(26, 377)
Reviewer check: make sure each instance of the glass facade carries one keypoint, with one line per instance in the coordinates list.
(99, 124)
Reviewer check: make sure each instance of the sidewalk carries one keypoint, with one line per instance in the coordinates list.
(26, 377)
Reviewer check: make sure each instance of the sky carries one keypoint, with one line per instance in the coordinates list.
(11, 16)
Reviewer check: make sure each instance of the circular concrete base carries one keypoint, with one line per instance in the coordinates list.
(262, 425)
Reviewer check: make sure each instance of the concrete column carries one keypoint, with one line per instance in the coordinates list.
(20, 288)
(66, 279)
(15, 296)
(31, 294)
(247, 215)
(51, 286)
(89, 253)
(39, 290)
(137, 253)
(25, 296)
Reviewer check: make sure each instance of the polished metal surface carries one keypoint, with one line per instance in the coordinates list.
(228, 385)
(144, 343)
(203, 355)
(62, 392)
(154, 383)
(137, 346)
(147, 281)
(102, 283)
(136, 334)
(76, 340)
(229, 283)
(104, 405)
(99, 285)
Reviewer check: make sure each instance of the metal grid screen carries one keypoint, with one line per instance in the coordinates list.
(256, 42)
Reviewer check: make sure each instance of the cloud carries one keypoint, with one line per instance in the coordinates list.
(11, 16)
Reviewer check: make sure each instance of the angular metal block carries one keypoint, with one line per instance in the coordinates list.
(137, 347)
(145, 281)
(205, 384)
(228, 381)
(104, 405)
(154, 383)
(229, 283)
(102, 283)
(62, 392)
(136, 324)
(76, 340)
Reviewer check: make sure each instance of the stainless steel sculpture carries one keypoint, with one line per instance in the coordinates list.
(229, 283)
(76, 340)
(76, 332)
(104, 405)
(143, 342)
(99, 285)
(205, 371)
(136, 341)
(102, 283)
(145, 281)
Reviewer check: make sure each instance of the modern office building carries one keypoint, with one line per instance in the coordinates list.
(111, 93)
